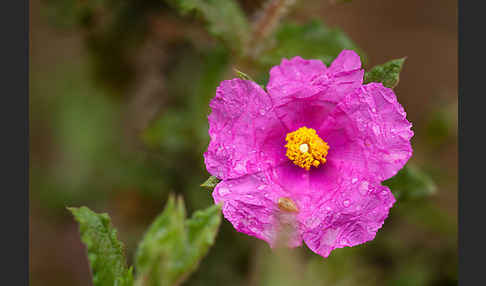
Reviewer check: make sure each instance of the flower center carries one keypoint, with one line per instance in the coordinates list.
(305, 148)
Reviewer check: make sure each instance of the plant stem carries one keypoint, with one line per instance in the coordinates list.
(265, 23)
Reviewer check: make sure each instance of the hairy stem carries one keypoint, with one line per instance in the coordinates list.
(266, 21)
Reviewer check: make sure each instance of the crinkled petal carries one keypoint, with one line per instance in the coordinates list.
(295, 77)
(250, 203)
(338, 205)
(305, 91)
(368, 131)
(246, 135)
(349, 216)
(345, 65)
(307, 188)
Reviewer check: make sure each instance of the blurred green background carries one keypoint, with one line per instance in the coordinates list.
(119, 94)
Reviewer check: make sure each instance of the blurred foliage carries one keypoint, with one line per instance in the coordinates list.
(85, 158)
(411, 183)
(82, 152)
(313, 40)
(441, 125)
(105, 253)
(112, 30)
(173, 246)
(224, 18)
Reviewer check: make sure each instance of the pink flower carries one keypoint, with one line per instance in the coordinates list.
(312, 151)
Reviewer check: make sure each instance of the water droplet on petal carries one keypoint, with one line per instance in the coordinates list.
(376, 129)
(346, 203)
(261, 187)
(223, 191)
(240, 166)
(262, 111)
(363, 188)
(354, 180)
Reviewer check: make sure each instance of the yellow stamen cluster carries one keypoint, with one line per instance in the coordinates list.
(305, 148)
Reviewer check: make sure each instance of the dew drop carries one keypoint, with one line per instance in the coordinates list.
(376, 129)
(346, 203)
(354, 180)
(364, 187)
(223, 191)
(262, 111)
(261, 187)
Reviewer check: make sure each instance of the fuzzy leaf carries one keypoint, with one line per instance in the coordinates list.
(411, 183)
(173, 246)
(105, 253)
(313, 40)
(210, 183)
(224, 19)
(387, 73)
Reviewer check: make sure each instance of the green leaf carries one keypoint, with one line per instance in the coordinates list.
(224, 19)
(387, 73)
(173, 246)
(210, 183)
(411, 183)
(313, 40)
(105, 253)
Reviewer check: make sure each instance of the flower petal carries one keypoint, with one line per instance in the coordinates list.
(294, 77)
(346, 67)
(368, 131)
(250, 203)
(246, 135)
(351, 216)
(305, 91)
